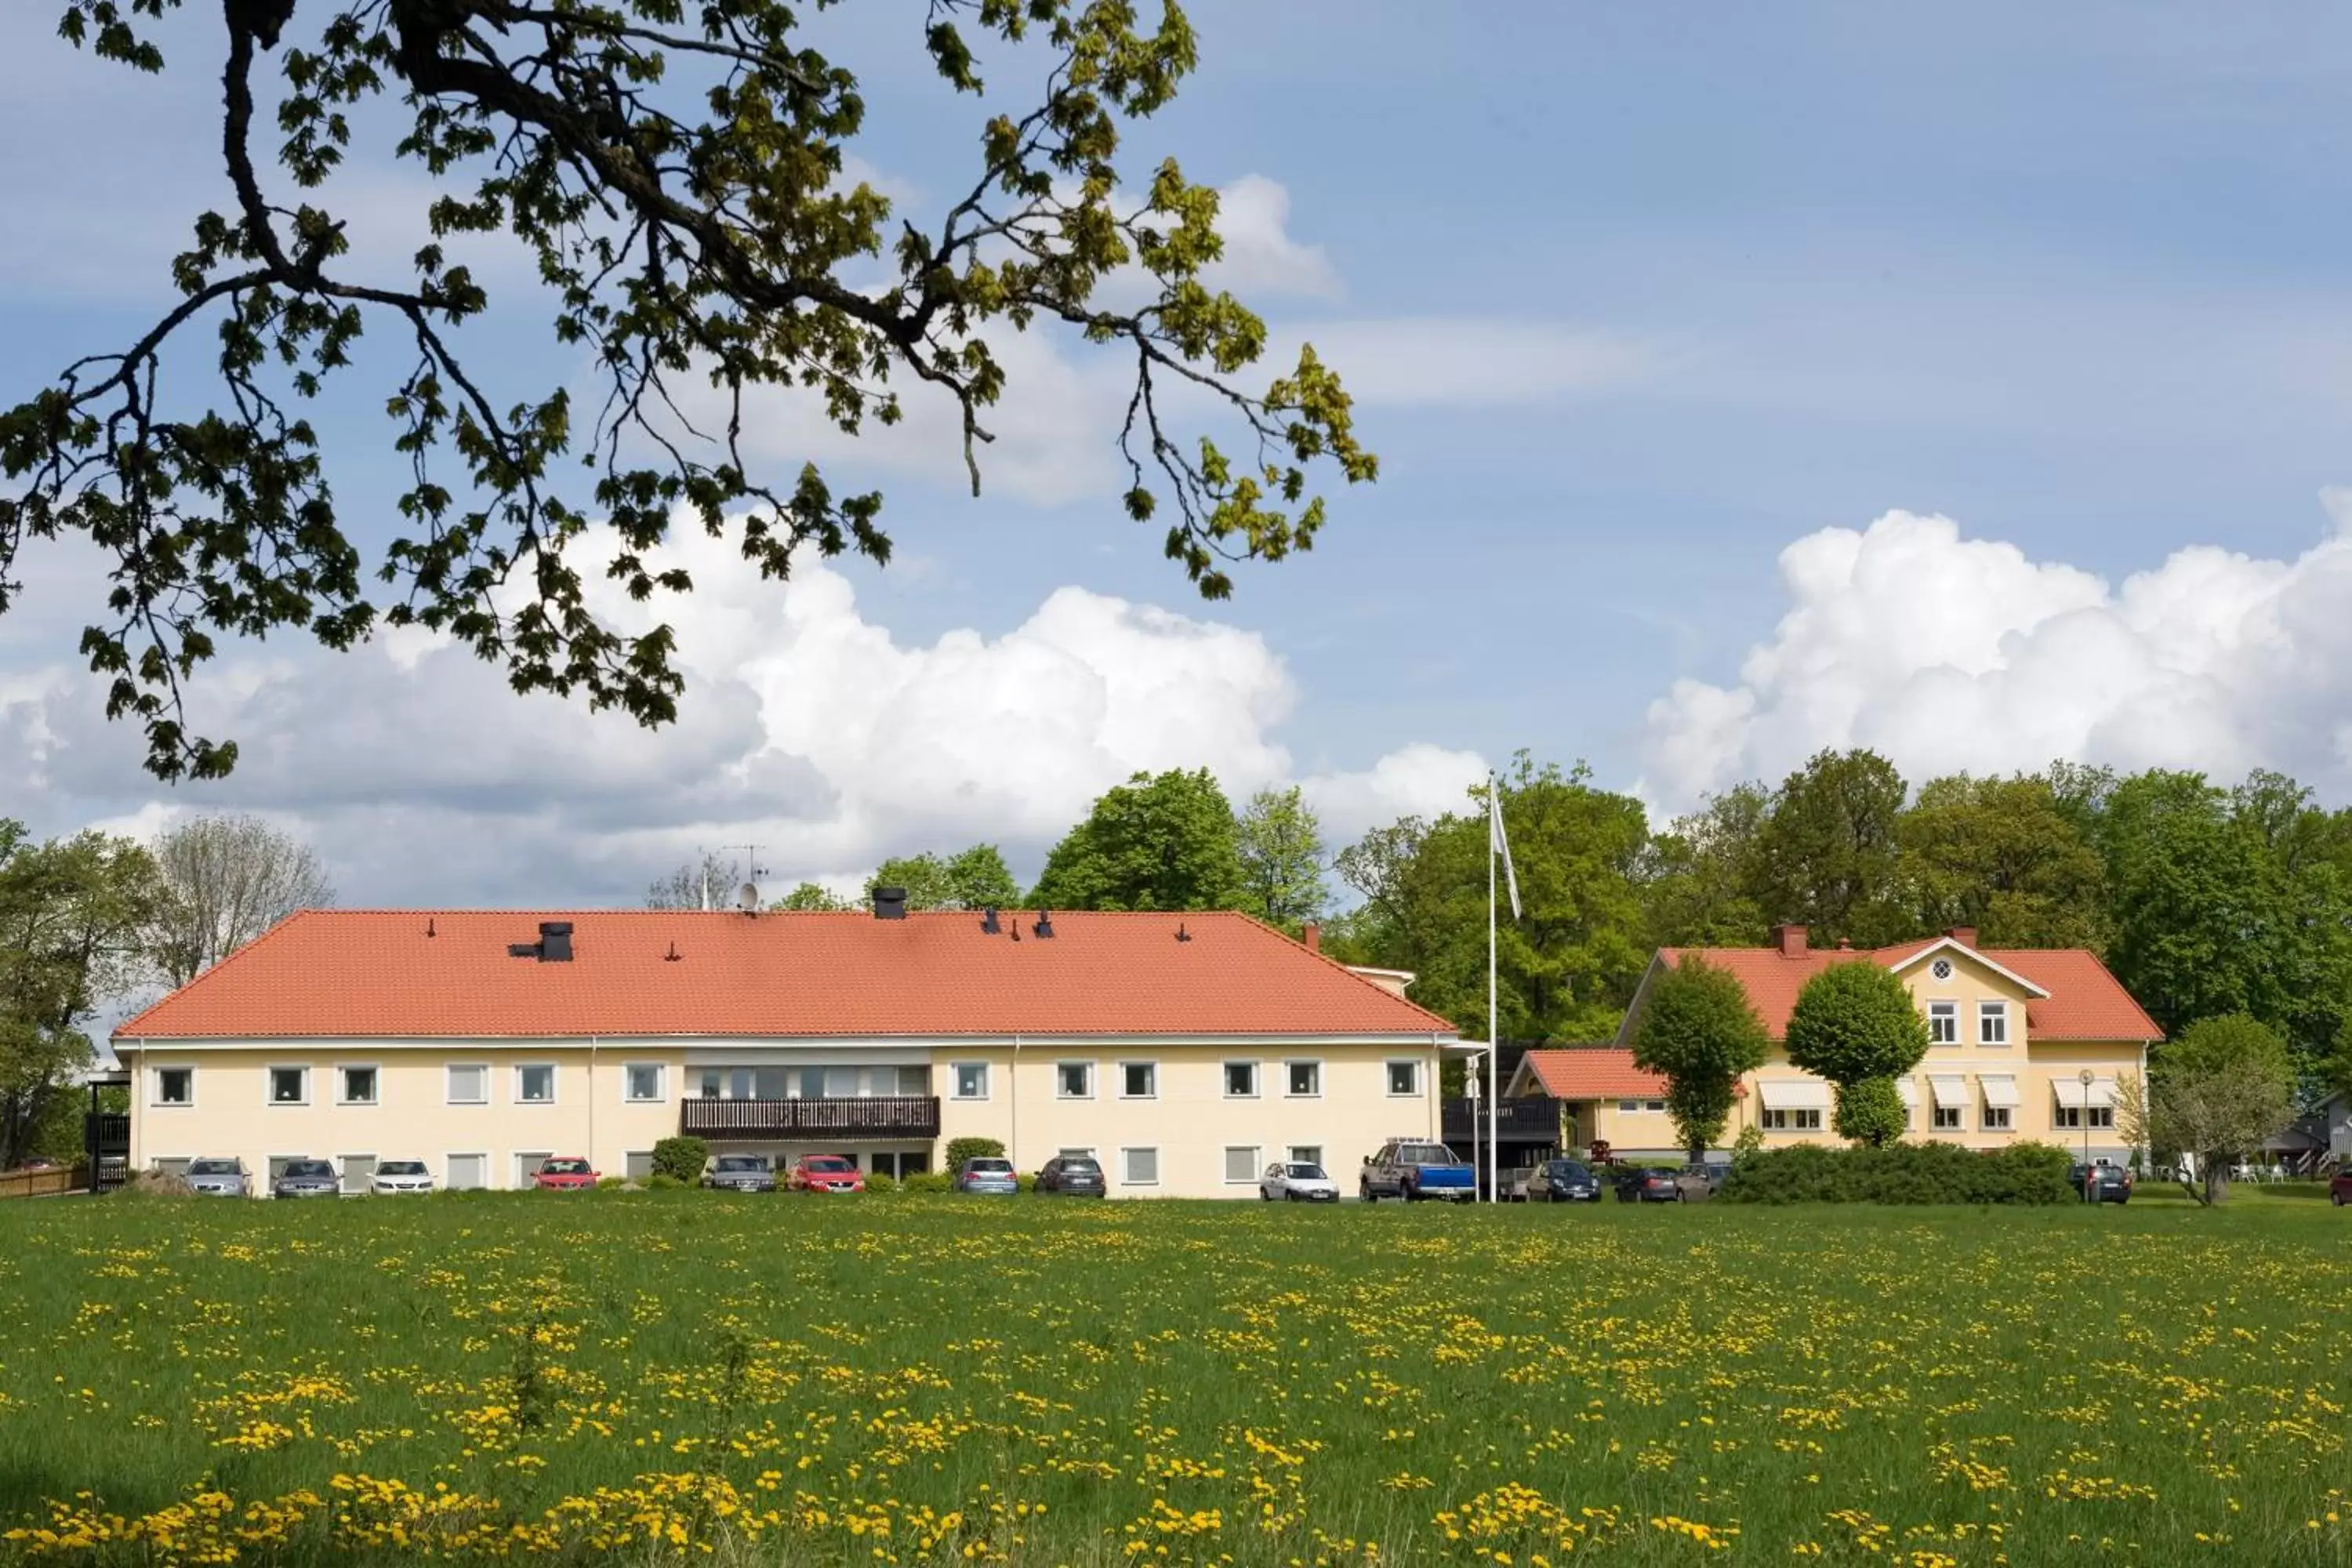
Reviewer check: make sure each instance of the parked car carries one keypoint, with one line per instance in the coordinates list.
(826, 1174)
(219, 1178)
(1073, 1177)
(1413, 1171)
(1563, 1182)
(1648, 1185)
(740, 1174)
(1297, 1181)
(306, 1179)
(2339, 1188)
(2102, 1184)
(1701, 1179)
(564, 1174)
(991, 1175)
(395, 1177)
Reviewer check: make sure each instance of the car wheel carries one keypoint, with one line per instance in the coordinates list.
(1264, 1195)
(2336, 1198)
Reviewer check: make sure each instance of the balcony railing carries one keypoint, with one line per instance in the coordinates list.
(880, 1116)
(1536, 1117)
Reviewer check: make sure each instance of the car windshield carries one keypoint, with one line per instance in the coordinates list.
(741, 1163)
(832, 1166)
(989, 1167)
(212, 1168)
(1305, 1173)
(309, 1168)
(1567, 1169)
(401, 1168)
(1081, 1167)
(1424, 1155)
(566, 1168)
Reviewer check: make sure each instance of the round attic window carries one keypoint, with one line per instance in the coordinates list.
(1942, 969)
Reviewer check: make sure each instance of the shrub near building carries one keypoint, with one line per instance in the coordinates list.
(1902, 1173)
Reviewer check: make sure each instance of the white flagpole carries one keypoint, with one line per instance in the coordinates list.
(1493, 1058)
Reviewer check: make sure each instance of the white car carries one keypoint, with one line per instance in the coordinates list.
(1296, 1182)
(398, 1177)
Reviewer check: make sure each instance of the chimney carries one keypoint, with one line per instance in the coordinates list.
(553, 946)
(1789, 941)
(1965, 935)
(889, 903)
(1313, 937)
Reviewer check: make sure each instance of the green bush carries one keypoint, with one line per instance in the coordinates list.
(611, 1184)
(1025, 1181)
(1902, 1173)
(962, 1149)
(681, 1160)
(663, 1181)
(926, 1181)
(881, 1182)
(1871, 1111)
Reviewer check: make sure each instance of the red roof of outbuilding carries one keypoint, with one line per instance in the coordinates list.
(349, 973)
(1593, 1072)
(2084, 1002)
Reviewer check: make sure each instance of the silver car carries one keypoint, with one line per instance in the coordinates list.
(1297, 1181)
(989, 1175)
(218, 1178)
(306, 1179)
(395, 1177)
(740, 1174)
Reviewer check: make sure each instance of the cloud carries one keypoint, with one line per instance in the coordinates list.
(1950, 653)
(1468, 362)
(808, 729)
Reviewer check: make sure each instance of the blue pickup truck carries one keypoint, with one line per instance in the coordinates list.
(1413, 1171)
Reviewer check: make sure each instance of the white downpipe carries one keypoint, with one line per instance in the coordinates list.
(590, 1150)
(1012, 1143)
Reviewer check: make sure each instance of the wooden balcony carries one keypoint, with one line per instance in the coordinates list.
(877, 1117)
(1536, 1118)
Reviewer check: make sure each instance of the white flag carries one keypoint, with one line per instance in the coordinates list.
(1502, 843)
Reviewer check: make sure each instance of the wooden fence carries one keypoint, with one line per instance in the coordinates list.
(36, 1184)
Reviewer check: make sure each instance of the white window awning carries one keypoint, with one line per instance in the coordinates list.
(1794, 1094)
(2074, 1094)
(1952, 1089)
(1908, 1088)
(2000, 1089)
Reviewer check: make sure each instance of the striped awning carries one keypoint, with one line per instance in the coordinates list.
(1794, 1094)
(1908, 1088)
(2001, 1089)
(2074, 1095)
(1952, 1089)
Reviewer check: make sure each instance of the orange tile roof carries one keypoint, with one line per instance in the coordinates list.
(349, 973)
(2086, 1001)
(1593, 1072)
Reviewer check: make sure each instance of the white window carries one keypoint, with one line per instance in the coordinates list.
(1074, 1080)
(1240, 1164)
(1241, 1080)
(1992, 1023)
(290, 1086)
(1946, 1117)
(1996, 1117)
(527, 1165)
(1641, 1105)
(1404, 1078)
(1306, 1153)
(1138, 1080)
(637, 1165)
(469, 1083)
(1302, 1080)
(1943, 1023)
(355, 1086)
(1805, 1118)
(359, 1175)
(2076, 1117)
(970, 1081)
(1139, 1167)
(535, 1084)
(642, 1083)
(176, 1085)
(914, 1081)
(1074, 1153)
(468, 1173)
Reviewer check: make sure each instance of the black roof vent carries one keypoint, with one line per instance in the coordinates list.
(429, 929)
(673, 955)
(1181, 934)
(553, 946)
(1045, 926)
(989, 922)
(889, 903)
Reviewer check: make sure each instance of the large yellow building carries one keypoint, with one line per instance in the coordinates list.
(1184, 1051)
(2025, 1043)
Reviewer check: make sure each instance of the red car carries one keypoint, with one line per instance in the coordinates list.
(564, 1174)
(2339, 1188)
(824, 1173)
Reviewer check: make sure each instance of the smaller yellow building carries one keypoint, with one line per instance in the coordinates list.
(2024, 1044)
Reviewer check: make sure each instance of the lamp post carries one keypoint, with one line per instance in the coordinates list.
(2083, 1078)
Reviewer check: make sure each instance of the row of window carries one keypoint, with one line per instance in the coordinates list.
(1139, 1167)
(1140, 1081)
(464, 1083)
(1944, 1022)
(1942, 1118)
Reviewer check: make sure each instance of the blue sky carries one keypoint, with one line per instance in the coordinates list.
(1682, 333)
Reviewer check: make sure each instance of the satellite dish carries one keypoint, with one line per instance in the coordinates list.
(747, 897)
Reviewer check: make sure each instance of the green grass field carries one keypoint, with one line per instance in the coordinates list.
(658, 1377)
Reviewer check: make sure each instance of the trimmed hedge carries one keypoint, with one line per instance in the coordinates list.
(1902, 1173)
(927, 1182)
(881, 1182)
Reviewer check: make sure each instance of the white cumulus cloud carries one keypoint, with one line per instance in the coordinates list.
(1951, 653)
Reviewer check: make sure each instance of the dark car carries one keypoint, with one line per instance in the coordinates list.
(306, 1179)
(1563, 1182)
(1073, 1177)
(2339, 1188)
(2103, 1183)
(1649, 1184)
(740, 1174)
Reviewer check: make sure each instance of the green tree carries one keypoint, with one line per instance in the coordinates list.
(75, 915)
(709, 881)
(1281, 848)
(2001, 855)
(2219, 1091)
(811, 898)
(1828, 853)
(231, 878)
(974, 878)
(1163, 841)
(1700, 878)
(1697, 1027)
(677, 174)
(1855, 1025)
